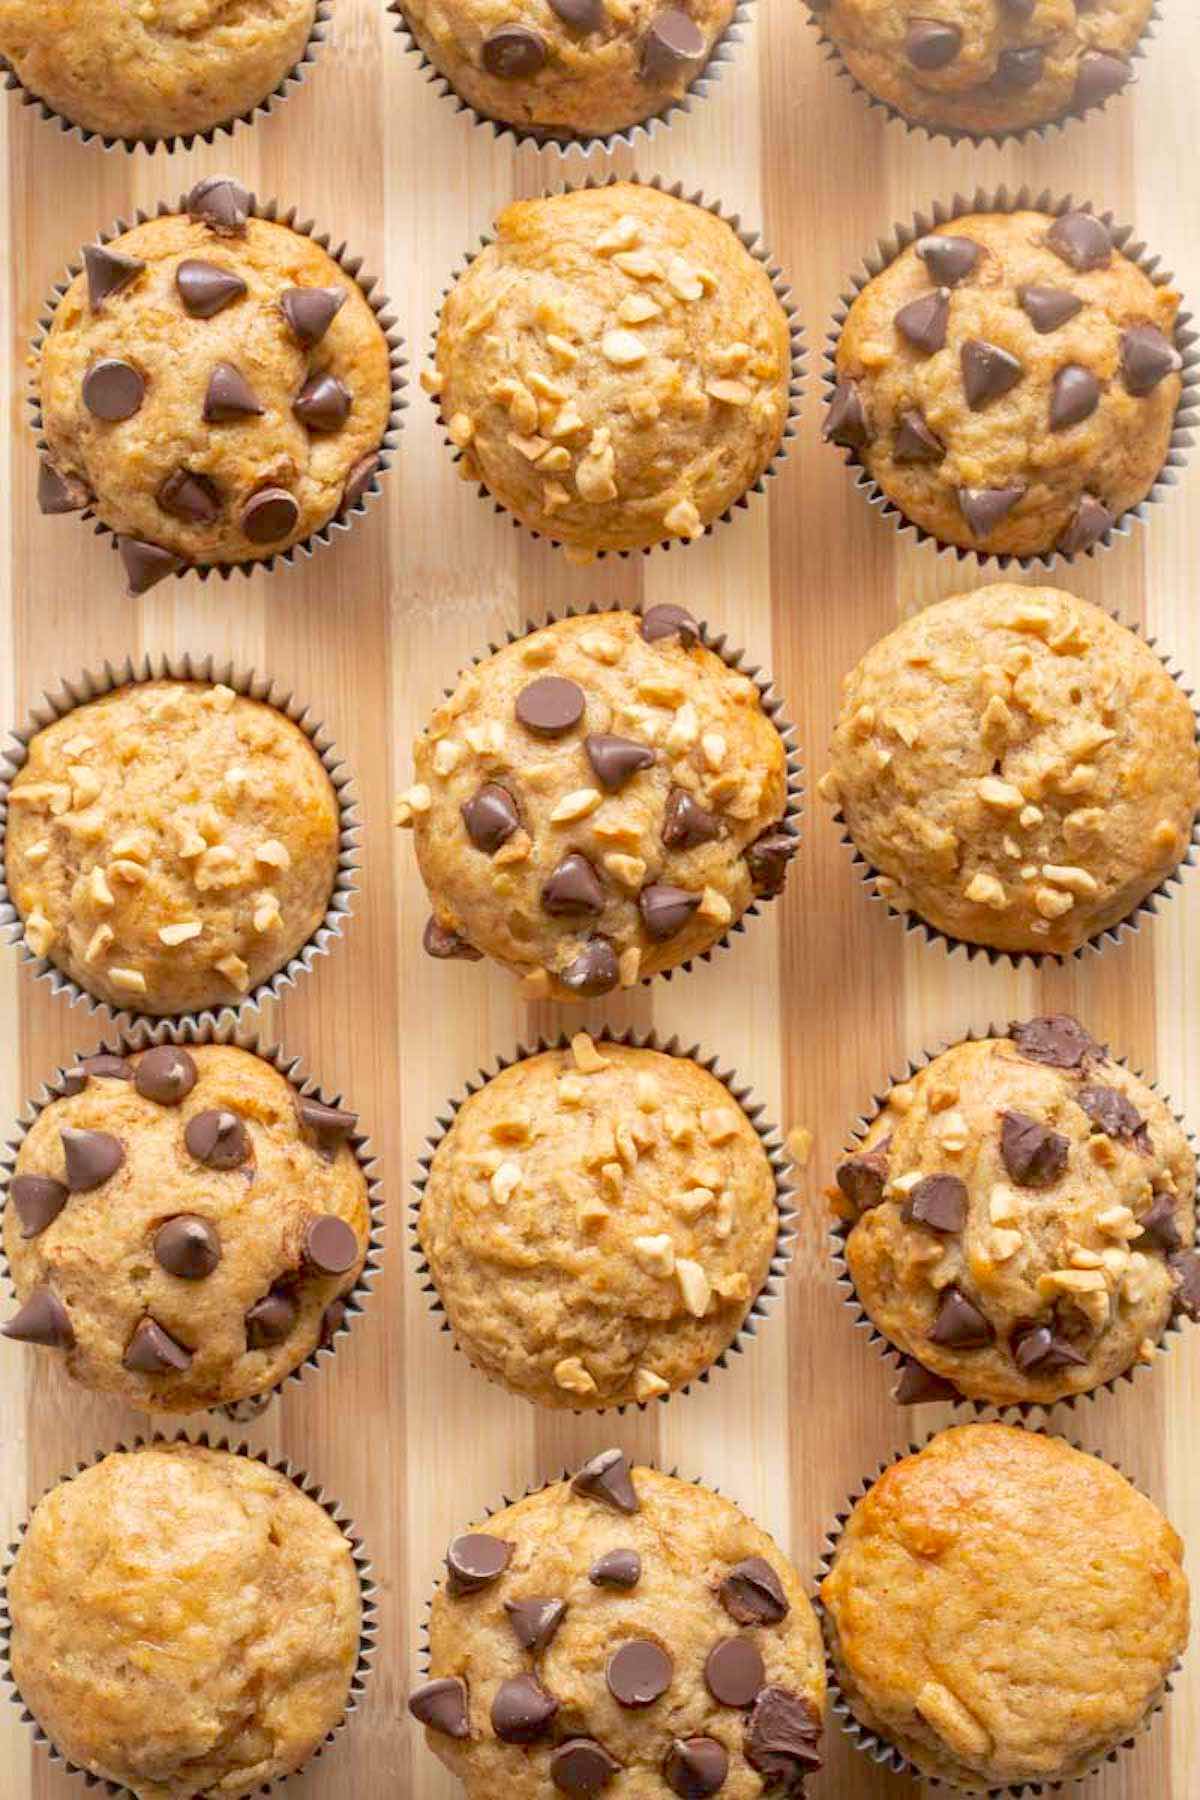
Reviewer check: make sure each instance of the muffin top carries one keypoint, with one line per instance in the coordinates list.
(623, 1628)
(1005, 1608)
(598, 1222)
(214, 386)
(184, 1621)
(1025, 1211)
(156, 70)
(1010, 382)
(181, 1224)
(1018, 768)
(568, 68)
(597, 802)
(614, 367)
(983, 66)
(171, 844)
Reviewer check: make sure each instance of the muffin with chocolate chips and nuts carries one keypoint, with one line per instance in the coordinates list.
(598, 1222)
(1022, 1218)
(1016, 768)
(597, 802)
(622, 1628)
(182, 1225)
(213, 386)
(614, 367)
(1010, 382)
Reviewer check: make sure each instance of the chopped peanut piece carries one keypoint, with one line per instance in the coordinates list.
(693, 1285)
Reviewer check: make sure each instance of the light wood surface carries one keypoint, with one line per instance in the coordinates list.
(814, 1005)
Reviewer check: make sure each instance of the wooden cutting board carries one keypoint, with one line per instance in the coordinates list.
(815, 1005)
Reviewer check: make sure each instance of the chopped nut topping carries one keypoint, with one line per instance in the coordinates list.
(561, 350)
(1005, 1245)
(1030, 816)
(629, 966)
(735, 1286)
(644, 406)
(1000, 794)
(648, 1092)
(1052, 903)
(1077, 881)
(1003, 1207)
(266, 916)
(37, 853)
(601, 646)
(728, 392)
(133, 846)
(461, 429)
(98, 889)
(221, 697)
(953, 1133)
(588, 1059)
(827, 788)
(505, 1182)
(132, 873)
(799, 1144)
(719, 1124)
(590, 1212)
(622, 235)
(682, 520)
(683, 280)
(235, 972)
(129, 981)
(638, 309)
(697, 1200)
(648, 1386)
(630, 871)
(684, 728)
(693, 1285)
(655, 1254)
(986, 890)
(724, 1224)
(576, 805)
(715, 906)
(622, 348)
(570, 1090)
(39, 933)
(98, 943)
(181, 933)
(639, 264)
(612, 1179)
(572, 1377)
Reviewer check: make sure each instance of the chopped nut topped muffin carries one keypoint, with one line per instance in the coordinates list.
(182, 1224)
(622, 1629)
(171, 844)
(614, 367)
(1023, 1219)
(598, 1222)
(597, 802)
(1016, 768)
(1010, 382)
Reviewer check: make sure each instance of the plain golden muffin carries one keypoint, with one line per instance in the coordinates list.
(157, 68)
(984, 66)
(597, 802)
(1010, 382)
(182, 1225)
(598, 1222)
(1016, 767)
(171, 845)
(623, 1632)
(213, 386)
(1024, 1216)
(614, 367)
(185, 1622)
(1004, 1608)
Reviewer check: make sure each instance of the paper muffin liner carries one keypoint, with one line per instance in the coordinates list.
(1187, 342)
(145, 1035)
(891, 1353)
(294, 78)
(312, 1490)
(751, 241)
(1042, 133)
(724, 49)
(743, 1096)
(102, 679)
(377, 300)
(887, 1755)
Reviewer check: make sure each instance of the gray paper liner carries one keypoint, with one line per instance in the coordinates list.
(839, 1232)
(314, 1491)
(743, 1096)
(889, 1756)
(751, 241)
(380, 305)
(102, 679)
(143, 1036)
(295, 77)
(1187, 342)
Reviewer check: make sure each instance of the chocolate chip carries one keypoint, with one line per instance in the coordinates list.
(153, 1351)
(205, 289)
(686, 823)
(594, 971)
(59, 493)
(616, 1569)
(105, 1064)
(330, 1245)
(915, 443)
(187, 1246)
(1038, 1347)
(638, 1672)
(217, 1138)
(988, 371)
(767, 859)
(924, 320)
(220, 203)
(1159, 1225)
(475, 1560)
(165, 1074)
(535, 1622)
(573, 889)
(113, 390)
(616, 760)
(522, 1711)
(359, 480)
(930, 44)
(1048, 307)
(919, 1386)
(579, 15)
(1056, 1039)
(752, 1593)
(782, 1738)
(1074, 397)
(107, 273)
(665, 910)
(310, 311)
(192, 498)
(1081, 240)
(1099, 77)
(270, 1319)
(42, 1320)
(938, 1201)
(146, 564)
(1147, 357)
(490, 817)
(330, 1125)
(948, 259)
(734, 1672)
(1089, 522)
(1019, 67)
(696, 1767)
(270, 515)
(1185, 1272)
(323, 403)
(959, 1324)
(229, 396)
(442, 1705)
(38, 1199)
(332, 1320)
(512, 52)
(550, 706)
(580, 1766)
(672, 42)
(92, 1157)
(439, 941)
(846, 420)
(667, 621)
(606, 1477)
(1111, 1110)
(862, 1176)
(984, 508)
(1023, 9)
(1034, 1155)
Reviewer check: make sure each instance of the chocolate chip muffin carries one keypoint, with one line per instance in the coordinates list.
(171, 844)
(597, 802)
(213, 386)
(159, 70)
(1022, 1218)
(1010, 382)
(1016, 768)
(184, 1621)
(624, 1629)
(1003, 1608)
(987, 67)
(181, 1225)
(614, 367)
(598, 1222)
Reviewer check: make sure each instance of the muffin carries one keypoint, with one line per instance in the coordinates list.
(1010, 382)
(597, 802)
(213, 386)
(1016, 768)
(185, 1621)
(598, 1222)
(171, 844)
(622, 1628)
(1004, 1608)
(614, 367)
(169, 69)
(987, 69)
(1022, 1216)
(182, 1224)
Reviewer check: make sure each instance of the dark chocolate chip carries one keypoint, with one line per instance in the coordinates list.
(846, 420)
(1185, 1272)
(1034, 1155)
(665, 909)
(573, 889)
(988, 371)
(330, 1245)
(983, 508)
(696, 1767)
(959, 1324)
(862, 1176)
(270, 1319)
(310, 311)
(668, 621)
(1038, 1347)
(220, 203)
(323, 403)
(61, 493)
(113, 390)
(1147, 357)
(512, 52)
(229, 396)
(923, 321)
(439, 941)
(1099, 77)
(948, 259)
(915, 443)
(686, 823)
(535, 1622)
(767, 859)
(475, 1560)
(930, 44)
(442, 1705)
(42, 1320)
(165, 1074)
(332, 1320)
(939, 1202)
(919, 1386)
(752, 1593)
(1082, 240)
(107, 272)
(206, 289)
(616, 1569)
(550, 706)
(187, 1246)
(217, 1138)
(579, 15)
(1056, 1039)
(606, 1477)
(330, 1125)
(1048, 307)
(1074, 397)
(672, 42)
(190, 497)
(490, 817)
(38, 1199)
(1089, 522)
(1111, 1110)
(616, 760)
(734, 1672)
(92, 1157)
(582, 1767)
(1159, 1225)
(359, 480)
(146, 564)
(153, 1351)
(107, 1066)
(1019, 67)
(594, 971)
(522, 1711)
(782, 1741)
(270, 515)
(638, 1672)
